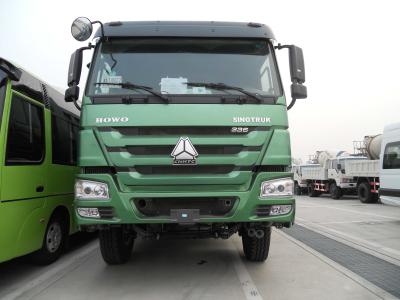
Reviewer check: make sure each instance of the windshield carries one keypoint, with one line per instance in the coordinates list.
(168, 66)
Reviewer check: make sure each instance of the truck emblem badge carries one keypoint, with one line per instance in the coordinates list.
(184, 152)
(112, 120)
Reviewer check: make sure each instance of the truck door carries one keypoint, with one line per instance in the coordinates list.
(390, 172)
(332, 166)
(23, 179)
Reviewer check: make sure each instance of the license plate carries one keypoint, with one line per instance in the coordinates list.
(185, 215)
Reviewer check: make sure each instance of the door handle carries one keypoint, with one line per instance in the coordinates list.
(40, 188)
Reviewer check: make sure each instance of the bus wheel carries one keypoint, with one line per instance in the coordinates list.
(255, 247)
(311, 191)
(364, 193)
(335, 191)
(54, 241)
(116, 245)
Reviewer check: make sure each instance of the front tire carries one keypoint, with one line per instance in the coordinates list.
(364, 193)
(116, 245)
(54, 241)
(297, 189)
(256, 249)
(335, 191)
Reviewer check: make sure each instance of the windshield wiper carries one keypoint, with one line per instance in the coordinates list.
(132, 86)
(223, 86)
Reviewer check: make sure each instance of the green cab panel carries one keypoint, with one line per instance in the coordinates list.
(238, 147)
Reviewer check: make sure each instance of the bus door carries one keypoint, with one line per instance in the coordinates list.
(23, 180)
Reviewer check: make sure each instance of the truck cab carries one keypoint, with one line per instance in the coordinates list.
(337, 171)
(300, 183)
(339, 181)
(389, 190)
(184, 132)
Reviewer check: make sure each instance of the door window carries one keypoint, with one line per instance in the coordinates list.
(25, 142)
(391, 157)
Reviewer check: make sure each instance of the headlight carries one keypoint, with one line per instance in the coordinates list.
(88, 212)
(85, 189)
(277, 188)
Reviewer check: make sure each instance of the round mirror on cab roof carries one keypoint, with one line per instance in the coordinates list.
(81, 29)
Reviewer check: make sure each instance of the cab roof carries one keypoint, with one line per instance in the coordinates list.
(391, 127)
(186, 29)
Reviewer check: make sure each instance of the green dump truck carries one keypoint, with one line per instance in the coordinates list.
(184, 133)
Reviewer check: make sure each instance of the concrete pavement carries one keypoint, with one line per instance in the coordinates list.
(215, 269)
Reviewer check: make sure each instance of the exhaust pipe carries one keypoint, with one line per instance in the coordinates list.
(259, 233)
(251, 232)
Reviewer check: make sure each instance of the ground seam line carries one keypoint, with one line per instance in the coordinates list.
(246, 282)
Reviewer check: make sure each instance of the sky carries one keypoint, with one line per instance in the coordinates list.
(351, 50)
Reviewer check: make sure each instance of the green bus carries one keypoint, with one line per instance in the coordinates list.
(38, 141)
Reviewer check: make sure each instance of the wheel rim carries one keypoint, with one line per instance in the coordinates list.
(54, 237)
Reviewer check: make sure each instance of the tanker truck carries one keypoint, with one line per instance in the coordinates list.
(328, 174)
(365, 172)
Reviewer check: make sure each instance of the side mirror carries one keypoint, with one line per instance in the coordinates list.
(81, 29)
(298, 91)
(75, 68)
(297, 72)
(74, 73)
(339, 166)
(72, 93)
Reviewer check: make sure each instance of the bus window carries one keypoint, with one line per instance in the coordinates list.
(64, 140)
(391, 157)
(25, 142)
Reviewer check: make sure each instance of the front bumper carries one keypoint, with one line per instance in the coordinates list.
(124, 211)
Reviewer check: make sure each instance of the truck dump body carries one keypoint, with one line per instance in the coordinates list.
(362, 168)
(314, 173)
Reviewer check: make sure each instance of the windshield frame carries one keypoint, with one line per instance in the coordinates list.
(3, 88)
(224, 97)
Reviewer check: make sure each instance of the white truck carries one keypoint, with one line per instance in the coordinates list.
(389, 190)
(329, 174)
(300, 184)
(366, 172)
